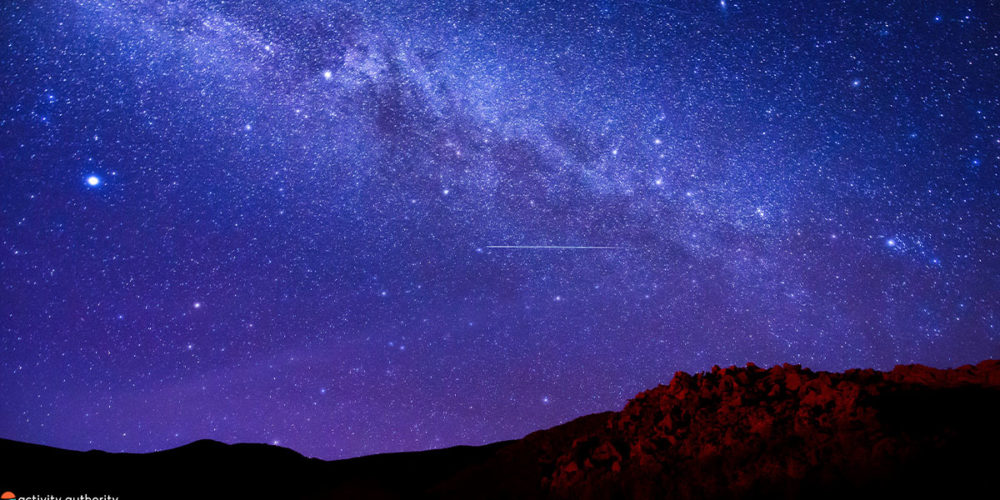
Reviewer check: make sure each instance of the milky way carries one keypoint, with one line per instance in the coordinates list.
(283, 221)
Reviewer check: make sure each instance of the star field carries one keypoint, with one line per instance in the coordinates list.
(294, 221)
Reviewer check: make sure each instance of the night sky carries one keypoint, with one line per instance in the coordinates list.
(271, 221)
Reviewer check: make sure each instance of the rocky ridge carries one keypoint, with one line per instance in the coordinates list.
(787, 430)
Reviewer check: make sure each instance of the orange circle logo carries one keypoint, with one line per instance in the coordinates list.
(7, 495)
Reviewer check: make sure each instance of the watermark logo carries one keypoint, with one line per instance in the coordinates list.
(9, 495)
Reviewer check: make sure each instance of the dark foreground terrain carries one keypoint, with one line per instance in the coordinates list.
(786, 432)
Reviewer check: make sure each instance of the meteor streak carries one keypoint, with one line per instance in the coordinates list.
(553, 247)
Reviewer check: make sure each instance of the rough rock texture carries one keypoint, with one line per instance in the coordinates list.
(789, 431)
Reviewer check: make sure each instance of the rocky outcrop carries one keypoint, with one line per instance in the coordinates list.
(788, 431)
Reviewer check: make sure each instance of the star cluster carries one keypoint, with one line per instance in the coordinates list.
(283, 221)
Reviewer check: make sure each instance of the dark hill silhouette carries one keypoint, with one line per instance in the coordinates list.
(785, 432)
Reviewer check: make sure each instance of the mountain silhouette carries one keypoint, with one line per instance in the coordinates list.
(783, 432)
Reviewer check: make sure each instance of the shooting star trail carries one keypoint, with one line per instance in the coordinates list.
(553, 247)
(664, 7)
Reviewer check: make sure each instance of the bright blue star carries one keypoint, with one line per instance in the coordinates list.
(93, 181)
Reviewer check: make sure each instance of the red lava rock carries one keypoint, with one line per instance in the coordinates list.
(736, 432)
